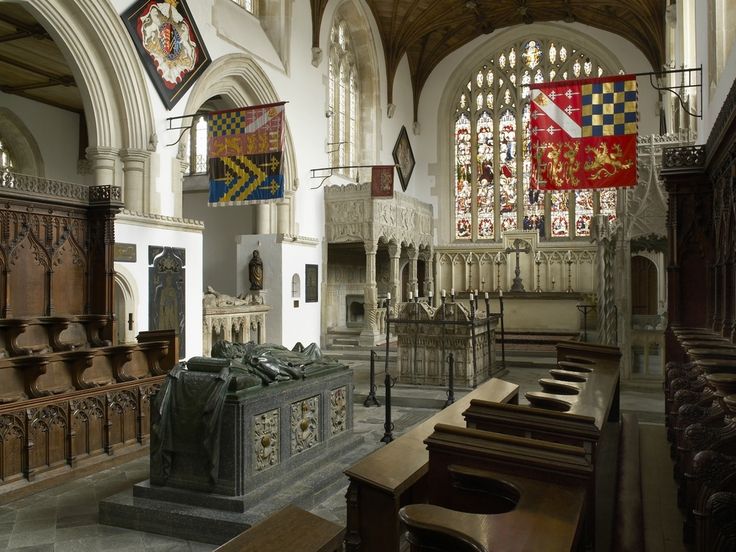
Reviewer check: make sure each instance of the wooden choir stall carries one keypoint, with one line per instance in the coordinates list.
(700, 378)
(70, 397)
(489, 474)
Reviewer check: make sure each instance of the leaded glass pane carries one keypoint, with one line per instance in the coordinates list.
(463, 190)
(559, 214)
(200, 160)
(507, 177)
(512, 58)
(485, 197)
(608, 204)
(479, 79)
(489, 78)
(6, 162)
(353, 118)
(583, 212)
(532, 54)
(463, 102)
(576, 68)
(479, 101)
(563, 54)
(552, 53)
(587, 67)
(502, 61)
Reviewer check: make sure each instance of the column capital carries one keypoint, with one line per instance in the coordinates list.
(394, 250)
(371, 247)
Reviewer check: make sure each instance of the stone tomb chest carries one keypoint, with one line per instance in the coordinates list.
(266, 432)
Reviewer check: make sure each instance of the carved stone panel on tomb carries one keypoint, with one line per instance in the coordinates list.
(338, 410)
(166, 291)
(304, 424)
(266, 440)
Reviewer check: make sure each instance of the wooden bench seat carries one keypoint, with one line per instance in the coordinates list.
(395, 475)
(290, 529)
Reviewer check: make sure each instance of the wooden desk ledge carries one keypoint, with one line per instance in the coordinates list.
(290, 529)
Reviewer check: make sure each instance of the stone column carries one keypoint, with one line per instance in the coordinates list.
(428, 273)
(728, 269)
(282, 217)
(413, 276)
(394, 252)
(134, 165)
(102, 163)
(263, 218)
(369, 334)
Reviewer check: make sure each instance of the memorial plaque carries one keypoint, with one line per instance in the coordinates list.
(125, 252)
(166, 291)
(311, 283)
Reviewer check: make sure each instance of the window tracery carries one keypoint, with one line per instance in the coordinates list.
(343, 97)
(492, 147)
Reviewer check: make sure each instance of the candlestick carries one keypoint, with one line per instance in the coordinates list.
(471, 297)
(500, 293)
(443, 293)
(486, 295)
(452, 292)
(430, 294)
(388, 296)
(416, 291)
(411, 296)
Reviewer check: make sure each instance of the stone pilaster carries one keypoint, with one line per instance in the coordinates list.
(134, 169)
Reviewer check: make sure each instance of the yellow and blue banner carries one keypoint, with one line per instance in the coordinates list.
(245, 150)
(584, 133)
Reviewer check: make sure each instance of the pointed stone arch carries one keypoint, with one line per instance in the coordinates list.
(18, 138)
(241, 82)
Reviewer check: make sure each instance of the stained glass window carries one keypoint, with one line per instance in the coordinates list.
(492, 147)
(248, 5)
(342, 97)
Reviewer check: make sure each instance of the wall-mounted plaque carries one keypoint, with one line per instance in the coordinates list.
(311, 283)
(166, 291)
(125, 252)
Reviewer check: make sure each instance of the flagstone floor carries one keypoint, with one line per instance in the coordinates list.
(64, 519)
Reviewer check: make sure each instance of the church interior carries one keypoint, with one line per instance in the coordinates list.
(296, 275)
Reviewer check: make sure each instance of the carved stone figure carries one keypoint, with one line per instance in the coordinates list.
(213, 298)
(255, 271)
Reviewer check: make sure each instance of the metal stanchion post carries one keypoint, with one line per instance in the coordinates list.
(371, 398)
(388, 426)
(450, 380)
(503, 333)
(473, 342)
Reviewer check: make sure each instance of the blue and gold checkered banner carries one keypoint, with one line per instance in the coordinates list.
(245, 155)
(584, 133)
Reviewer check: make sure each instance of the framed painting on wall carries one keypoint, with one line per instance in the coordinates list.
(404, 158)
(169, 45)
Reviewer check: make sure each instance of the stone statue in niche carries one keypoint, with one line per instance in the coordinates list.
(255, 271)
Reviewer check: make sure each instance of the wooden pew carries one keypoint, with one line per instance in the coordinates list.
(289, 529)
(489, 492)
(395, 475)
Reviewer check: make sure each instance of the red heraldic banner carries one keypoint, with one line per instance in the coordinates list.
(584, 133)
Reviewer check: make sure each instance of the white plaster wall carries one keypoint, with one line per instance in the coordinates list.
(56, 132)
(222, 226)
(143, 234)
(285, 324)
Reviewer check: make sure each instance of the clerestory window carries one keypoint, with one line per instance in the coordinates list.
(342, 98)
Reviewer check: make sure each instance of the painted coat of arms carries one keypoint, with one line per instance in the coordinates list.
(169, 45)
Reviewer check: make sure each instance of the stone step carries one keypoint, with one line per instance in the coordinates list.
(345, 342)
(215, 519)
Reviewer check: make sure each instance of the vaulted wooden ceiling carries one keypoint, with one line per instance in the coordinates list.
(428, 30)
(31, 64)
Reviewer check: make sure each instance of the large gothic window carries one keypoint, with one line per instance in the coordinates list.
(342, 98)
(492, 147)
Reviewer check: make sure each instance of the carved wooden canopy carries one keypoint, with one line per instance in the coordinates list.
(428, 30)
